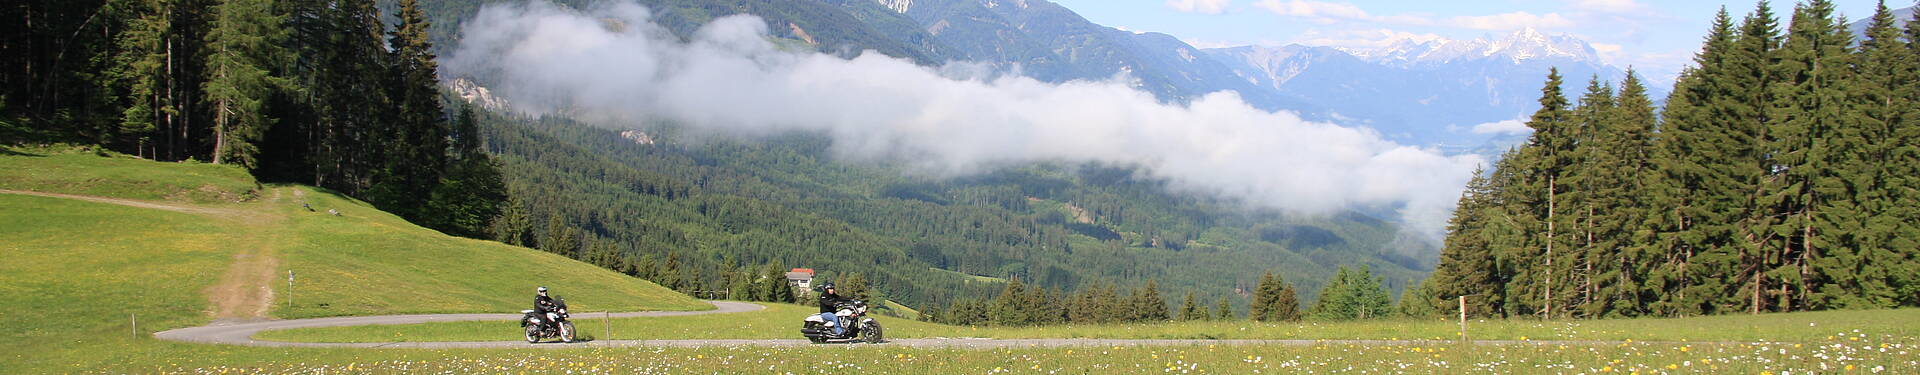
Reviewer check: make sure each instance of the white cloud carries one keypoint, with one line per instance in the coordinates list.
(1360, 38)
(1608, 52)
(1199, 6)
(1329, 13)
(728, 78)
(1515, 126)
(1325, 12)
(1609, 6)
(1206, 44)
(1513, 21)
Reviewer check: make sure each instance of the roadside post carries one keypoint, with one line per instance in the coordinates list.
(135, 318)
(289, 289)
(607, 318)
(1463, 319)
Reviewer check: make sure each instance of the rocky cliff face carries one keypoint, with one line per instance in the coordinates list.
(476, 95)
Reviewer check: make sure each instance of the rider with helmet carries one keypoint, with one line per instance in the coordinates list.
(829, 301)
(544, 305)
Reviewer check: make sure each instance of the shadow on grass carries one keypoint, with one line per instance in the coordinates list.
(9, 151)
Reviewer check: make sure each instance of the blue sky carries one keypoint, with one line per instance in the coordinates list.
(1659, 37)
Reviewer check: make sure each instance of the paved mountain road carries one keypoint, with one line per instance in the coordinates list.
(241, 333)
(237, 332)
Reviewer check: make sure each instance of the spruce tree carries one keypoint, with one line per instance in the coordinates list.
(419, 123)
(774, 287)
(1148, 305)
(244, 47)
(853, 285)
(740, 284)
(1467, 263)
(1009, 308)
(1416, 303)
(1903, 165)
(1336, 300)
(1191, 310)
(1286, 304)
(1621, 162)
(1535, 199)
(1584, 176)
(1223, 310)
(471, 193)
(1854, 273)
(140, 66)
(1264, 294)
(1352, 294)
(1694, 190)
(1742, 113)
(1811, 139)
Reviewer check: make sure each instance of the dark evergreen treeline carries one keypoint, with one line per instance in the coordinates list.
(1022, 305)
(1779, 177)
(1351, 294)
(310, 91)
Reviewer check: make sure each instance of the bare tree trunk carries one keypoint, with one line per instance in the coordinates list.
(1758, 279)
(1551, 193)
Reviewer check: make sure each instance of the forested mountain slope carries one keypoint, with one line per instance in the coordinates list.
(694, 212)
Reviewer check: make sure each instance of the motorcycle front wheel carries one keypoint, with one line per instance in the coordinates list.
(566, 332)
(872, 334)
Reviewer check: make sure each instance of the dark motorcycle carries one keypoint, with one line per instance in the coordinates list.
(861, 328)
(553, 324)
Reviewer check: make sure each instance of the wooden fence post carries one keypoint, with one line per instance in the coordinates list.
(1463, 318)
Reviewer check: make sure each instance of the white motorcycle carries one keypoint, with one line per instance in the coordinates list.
(553, 324)
(861, 328)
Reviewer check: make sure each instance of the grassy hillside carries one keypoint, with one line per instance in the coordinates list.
(203, 240)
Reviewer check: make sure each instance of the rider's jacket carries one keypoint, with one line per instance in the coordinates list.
(543, 304)
(828, 300)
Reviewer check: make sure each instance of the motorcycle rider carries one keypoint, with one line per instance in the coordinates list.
(544, 306)
(829, 302)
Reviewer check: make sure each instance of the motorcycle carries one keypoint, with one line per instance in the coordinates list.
(860, 328)
(553, 324)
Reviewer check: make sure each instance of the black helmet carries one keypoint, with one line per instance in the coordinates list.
(827, 286)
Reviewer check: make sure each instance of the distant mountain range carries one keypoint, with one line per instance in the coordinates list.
(1900, 18)
(1428, 93)
(1424, 92)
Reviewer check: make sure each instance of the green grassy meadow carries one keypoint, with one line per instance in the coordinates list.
(780, 321)
(1868, 356)
(73, 170)
(87, 266)
(95, 266)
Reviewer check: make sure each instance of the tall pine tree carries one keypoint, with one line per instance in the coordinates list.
(1810, 138)
(244, 49)
(1534, 199)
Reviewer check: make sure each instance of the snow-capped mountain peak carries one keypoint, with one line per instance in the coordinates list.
(1521, 45)
(900, 6)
